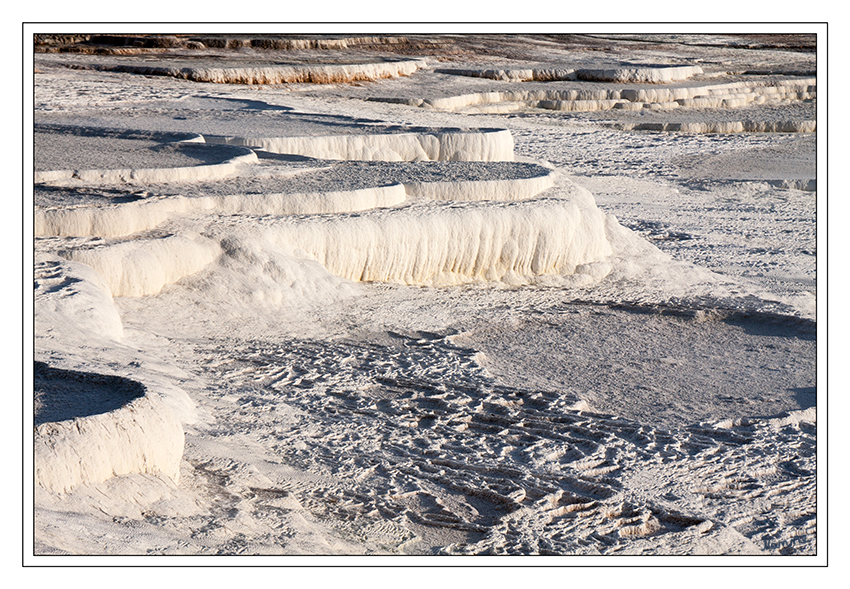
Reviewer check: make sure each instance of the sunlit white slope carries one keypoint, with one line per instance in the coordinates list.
(485, 146)
(726, 95)
(510, 189)
(423, 244)
(74, 308)
(279, 74)
(466, 242)
(645, 75)
(124, 219)
(142, 267)
(144, 436)
(74, 296)
(127, 218)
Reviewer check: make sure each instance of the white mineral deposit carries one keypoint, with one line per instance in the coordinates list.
(425, 296)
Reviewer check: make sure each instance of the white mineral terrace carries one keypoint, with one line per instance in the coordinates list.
(143, 436)
(719, 95)
(147, 175)
(652, 75)
(358, 296)
(413, 246)
(90, 427)
(282, 74)
(485, 146)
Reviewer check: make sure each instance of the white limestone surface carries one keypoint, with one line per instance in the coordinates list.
(645, 75)
(278, 74)
(472, 190)
(699, 95)
(146, 213)
(724, 127)
(128, 218)
(147, 175)
(486, 145)
(513, 74)
(75, 295)
(419, 244)
(474, 368)
(426, 245)
(144, 266)
(144, 436)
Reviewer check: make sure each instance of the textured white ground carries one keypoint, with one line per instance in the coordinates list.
(619, 359)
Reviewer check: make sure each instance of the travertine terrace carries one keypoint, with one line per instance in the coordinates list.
(425, 295)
